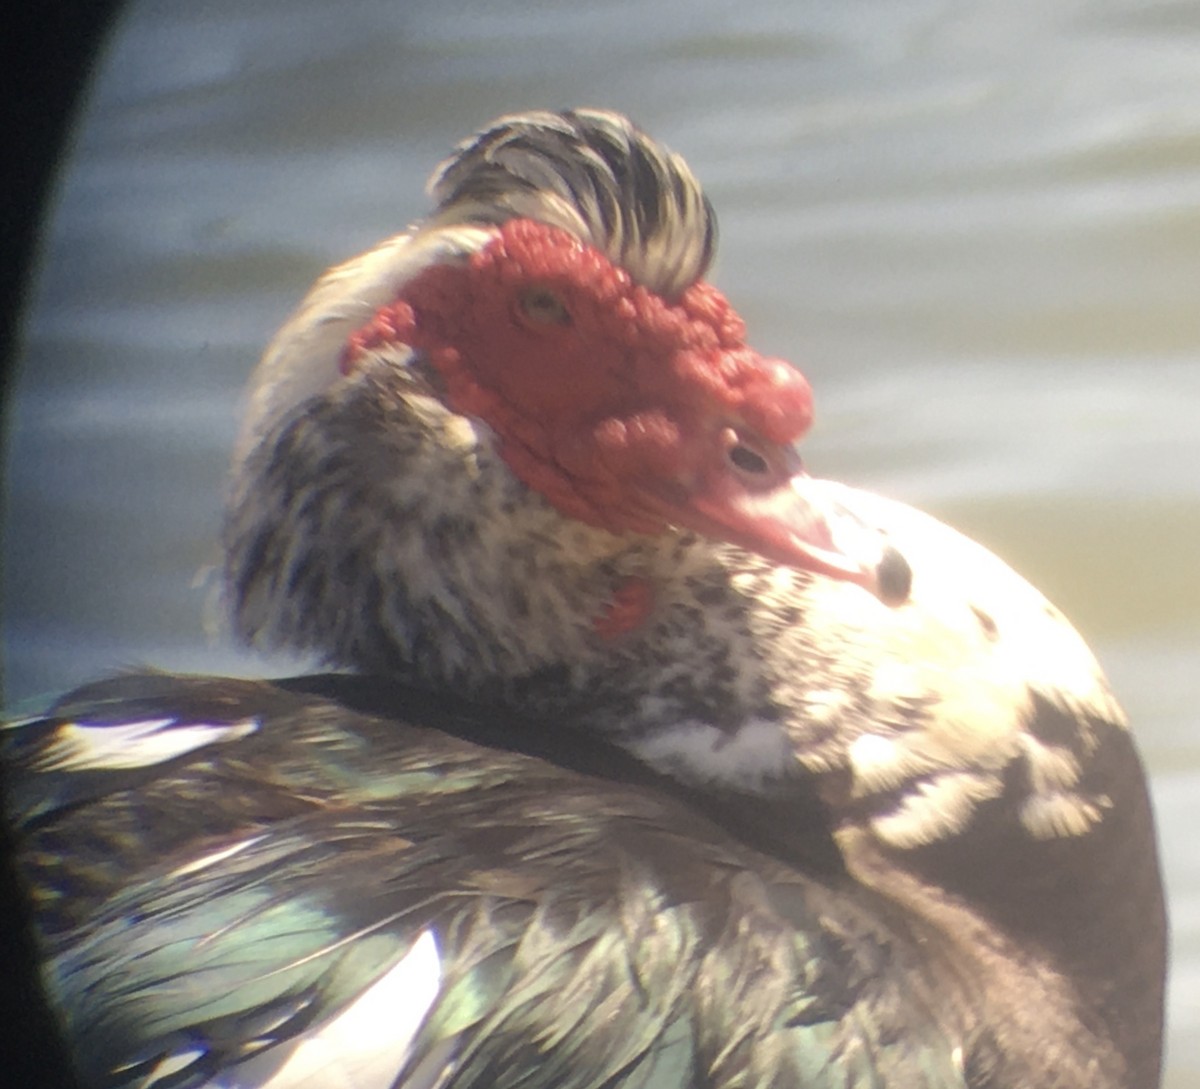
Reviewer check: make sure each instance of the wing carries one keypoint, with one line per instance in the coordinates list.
(243, 886)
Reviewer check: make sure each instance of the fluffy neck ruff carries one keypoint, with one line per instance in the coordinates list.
(483, 492)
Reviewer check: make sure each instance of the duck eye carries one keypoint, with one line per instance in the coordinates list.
(541, 306)
(749, 461)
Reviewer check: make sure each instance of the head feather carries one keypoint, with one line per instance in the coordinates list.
(590, 172)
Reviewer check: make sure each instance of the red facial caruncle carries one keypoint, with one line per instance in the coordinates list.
(622, 409)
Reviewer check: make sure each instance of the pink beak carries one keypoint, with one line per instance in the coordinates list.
(784, 515)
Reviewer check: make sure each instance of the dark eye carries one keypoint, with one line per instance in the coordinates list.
(541, 306)
(749, 461)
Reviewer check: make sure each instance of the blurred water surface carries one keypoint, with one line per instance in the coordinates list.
(976, 227)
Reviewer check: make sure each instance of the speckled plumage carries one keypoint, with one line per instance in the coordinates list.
(862, 844)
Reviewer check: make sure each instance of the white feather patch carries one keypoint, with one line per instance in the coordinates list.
(936, 809)
(883, 763)
(755, 753)
(1060, 815)
(364, 1046)
(80, 746)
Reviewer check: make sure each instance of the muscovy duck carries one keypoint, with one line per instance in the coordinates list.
(656, 763)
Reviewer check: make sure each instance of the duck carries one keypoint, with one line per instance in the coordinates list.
(641, 757)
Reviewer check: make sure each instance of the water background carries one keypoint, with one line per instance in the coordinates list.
(975, 226)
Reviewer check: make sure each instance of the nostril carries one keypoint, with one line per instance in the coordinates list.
(749, 461)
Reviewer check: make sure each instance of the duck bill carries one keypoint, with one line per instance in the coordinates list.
(797, 521)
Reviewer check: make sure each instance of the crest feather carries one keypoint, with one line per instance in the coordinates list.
(590, 172)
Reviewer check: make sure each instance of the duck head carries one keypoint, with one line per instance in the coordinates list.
(538, 376)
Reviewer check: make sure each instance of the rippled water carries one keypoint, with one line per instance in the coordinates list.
(977, 227)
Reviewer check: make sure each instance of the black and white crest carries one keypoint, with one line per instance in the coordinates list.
(594, 174)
